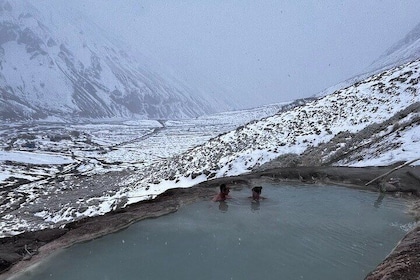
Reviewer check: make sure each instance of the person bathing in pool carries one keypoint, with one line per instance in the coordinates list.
(223, 194)
(256, 193)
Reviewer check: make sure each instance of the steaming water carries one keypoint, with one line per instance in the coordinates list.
(298, 232)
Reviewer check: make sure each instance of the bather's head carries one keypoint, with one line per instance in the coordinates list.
(256, 191)
(224, 189)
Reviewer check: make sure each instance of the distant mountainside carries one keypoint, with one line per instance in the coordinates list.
(405, 50)
(54, 63)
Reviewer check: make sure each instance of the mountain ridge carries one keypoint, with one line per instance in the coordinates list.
(72, 75)
(405, 50)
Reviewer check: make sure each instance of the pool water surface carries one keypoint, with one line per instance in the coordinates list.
(297, 232)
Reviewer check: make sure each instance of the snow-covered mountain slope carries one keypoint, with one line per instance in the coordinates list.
(53, 62)
(351, 109)
(405, 50)
(377, 144)
(398, 140)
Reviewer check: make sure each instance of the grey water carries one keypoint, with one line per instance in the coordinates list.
(297, 232)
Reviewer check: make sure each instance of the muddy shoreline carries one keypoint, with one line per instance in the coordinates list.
(21, 251)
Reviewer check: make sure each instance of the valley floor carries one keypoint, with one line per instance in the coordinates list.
(21, 251)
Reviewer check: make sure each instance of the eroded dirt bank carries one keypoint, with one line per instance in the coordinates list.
(21, 251)
(403, 262)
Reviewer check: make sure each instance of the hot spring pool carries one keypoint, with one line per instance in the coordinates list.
(298, 232)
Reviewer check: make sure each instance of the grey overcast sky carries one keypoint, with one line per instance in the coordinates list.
(261, 51)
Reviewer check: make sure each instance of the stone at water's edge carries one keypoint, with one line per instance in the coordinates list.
(404, 261)
(15, 248)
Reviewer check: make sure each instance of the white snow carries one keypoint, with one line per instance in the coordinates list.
(34, 158)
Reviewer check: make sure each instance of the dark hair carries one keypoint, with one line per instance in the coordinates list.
(257, 189)
(222, 187)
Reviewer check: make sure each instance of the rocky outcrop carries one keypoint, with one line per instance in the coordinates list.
(25, 246)
(404, 261)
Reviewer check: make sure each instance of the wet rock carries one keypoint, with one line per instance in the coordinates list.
(23, 246)
(387, 187)
(7, 259)
(404, 261)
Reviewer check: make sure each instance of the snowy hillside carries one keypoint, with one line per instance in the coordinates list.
(374, 100)
(395, 139)
(54, 63)
(405, 50)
